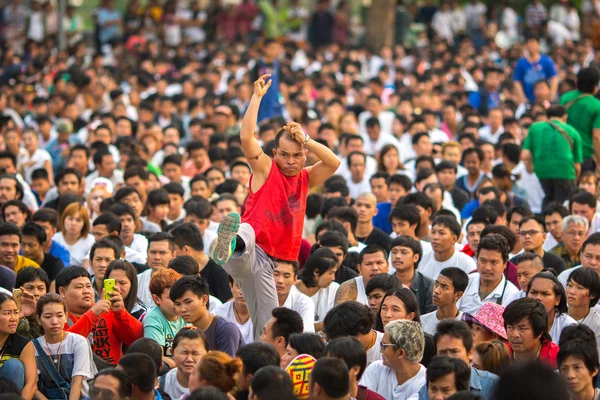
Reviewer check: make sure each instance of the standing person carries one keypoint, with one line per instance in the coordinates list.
(532, 68)
(267, 67)
(583, 114)
(63, 358)
(553, 149)
(273, 222)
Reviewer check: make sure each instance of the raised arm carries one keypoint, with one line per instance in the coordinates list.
(259, 161)
(329, 162)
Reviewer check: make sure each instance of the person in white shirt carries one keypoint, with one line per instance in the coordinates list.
(545, 288)
(317, 282)
(553, 218)
(74, 232)
(356, 320)
(374, 109)
(583, 291)
(161, 250)
(372, 261)
(590, 258)
(444, 234)
(289, 296)
(236, 312)
(283, 323)
(584, 204)
(528, 265)
(489, 283)
(359, 181)
(106, 167)
(131, 239)
(348, 145)
(398, 376)
(34, 157)
(447, 290)
(492, 131)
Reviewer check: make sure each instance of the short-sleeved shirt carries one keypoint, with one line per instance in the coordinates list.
(551, 153)
(584, 116)
(382, 380)
(528, 73)
(224, 336)
(52, 265)
(13, 347)
(161, 330)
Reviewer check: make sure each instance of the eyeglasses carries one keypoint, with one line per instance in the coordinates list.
(382, 345)
(103, 394)
(529, 233)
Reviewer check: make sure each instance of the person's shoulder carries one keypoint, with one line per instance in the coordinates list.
(75, 340)
(18, 341)
(223, 309)
(485, 375)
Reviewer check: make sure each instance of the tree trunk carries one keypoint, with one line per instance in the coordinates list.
(381, 17)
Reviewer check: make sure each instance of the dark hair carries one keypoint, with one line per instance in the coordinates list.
(30, 274)
(20, 205)
(583, 350)
(532, 380)
(534, 311)
(349, 318)
(332, 376)
(408, 213)
(188, 234)
(47, 215)
(49, 298)
(494, 242)
(496, 205)
(67, 274)
(417, 199)
(372, 249)
(334, 239)
(472, 150)
(580, 332)
(408, 298)
(307, 343)
(553, 208)
(10, 229)
(384, 282)
(141, 369)
(587, 80)
(9, 389)
(501, 230)
(104, 243)
(350, 350)
(131, 274)
(319, 261)
(150, 347)
(125, 385)
(286, 323)
(256, 355)
(122, 209)
(345, 214)
(331, 226)
(162, 237)
(18, 186)
(440, 366)
(185, 265)
(35, 230)
(112, 222)
(413, 244)
(198, 207)
(190, 334)
(157, 197)
(459, 278)
(272, 383)
(584, 198)
(448, 222)
(593, 239)
(402, 180)
(455, 329)
(207, 393)
(196, 284)
(590, 280)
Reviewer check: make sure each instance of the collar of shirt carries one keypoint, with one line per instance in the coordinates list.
(496, 293)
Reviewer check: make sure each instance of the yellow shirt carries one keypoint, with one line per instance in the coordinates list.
(23, 262)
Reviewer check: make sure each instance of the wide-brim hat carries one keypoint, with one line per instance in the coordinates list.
(490, 317)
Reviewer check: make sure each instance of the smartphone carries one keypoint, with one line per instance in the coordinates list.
(17, 295)
(109, 286)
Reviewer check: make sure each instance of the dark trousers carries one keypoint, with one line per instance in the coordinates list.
(557, 190)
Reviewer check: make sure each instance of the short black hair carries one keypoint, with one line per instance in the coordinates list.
(35, 230)
(448, 222)
(555, 208)
(195, 284)
(157, 197)
(67, 274)
(100, 154)
(349, 318)
(199, 207)
(533, 310)
(385, 282)
(185, 265)
(402, 180)
(495, 242)
(67, 171)
(162, 237)
(590, 280)
(286, 322)
(417, 199)
(40, 173)
(141, 370)
(319, 262)
(150, 347)
(332, 376)
(330, 226)
(345, 214)
(459, 278)
(174, 188)
(587, 79)
(440, 366)
(122, 209)
(125, 385)
(406, 212)
(372, 249)
(207, 393)
(256, 355)
(272, 383)
(112, 222)
(307, 343)
(188, 234)
(501, 230)
(350, 350)
(125, 191)
(532, 380)
(593, 239)
(30, 274)
(20, 205)
(104, 243)
(455, 329)
(584, 198)
(47, 215)
(583, 350)
(5, 154)
(413, 244)
(331, 203)
(9, 229)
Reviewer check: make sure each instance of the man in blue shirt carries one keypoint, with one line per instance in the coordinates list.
(488, 96)
(532, 68)
(454, 339)
(379, 187)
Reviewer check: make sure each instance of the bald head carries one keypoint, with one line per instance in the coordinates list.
(366, 208)
(367, 196)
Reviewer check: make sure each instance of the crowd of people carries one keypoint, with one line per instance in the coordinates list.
(244, 202)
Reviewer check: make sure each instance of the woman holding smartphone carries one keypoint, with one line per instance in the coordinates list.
(64, 359)
(125, 277)
(17, 360)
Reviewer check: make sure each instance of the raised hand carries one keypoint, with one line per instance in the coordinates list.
(296, 132)
(261, 86)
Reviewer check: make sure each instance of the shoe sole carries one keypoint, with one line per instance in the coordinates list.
(228, 230)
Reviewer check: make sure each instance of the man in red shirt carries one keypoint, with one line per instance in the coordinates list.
(271, 228)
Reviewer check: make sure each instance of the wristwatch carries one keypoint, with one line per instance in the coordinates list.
(306, 139)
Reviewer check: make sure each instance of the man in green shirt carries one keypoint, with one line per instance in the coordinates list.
(554, 150)
(583, 114)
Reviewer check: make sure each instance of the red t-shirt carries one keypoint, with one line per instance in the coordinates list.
(548, 353)
(276, 212)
